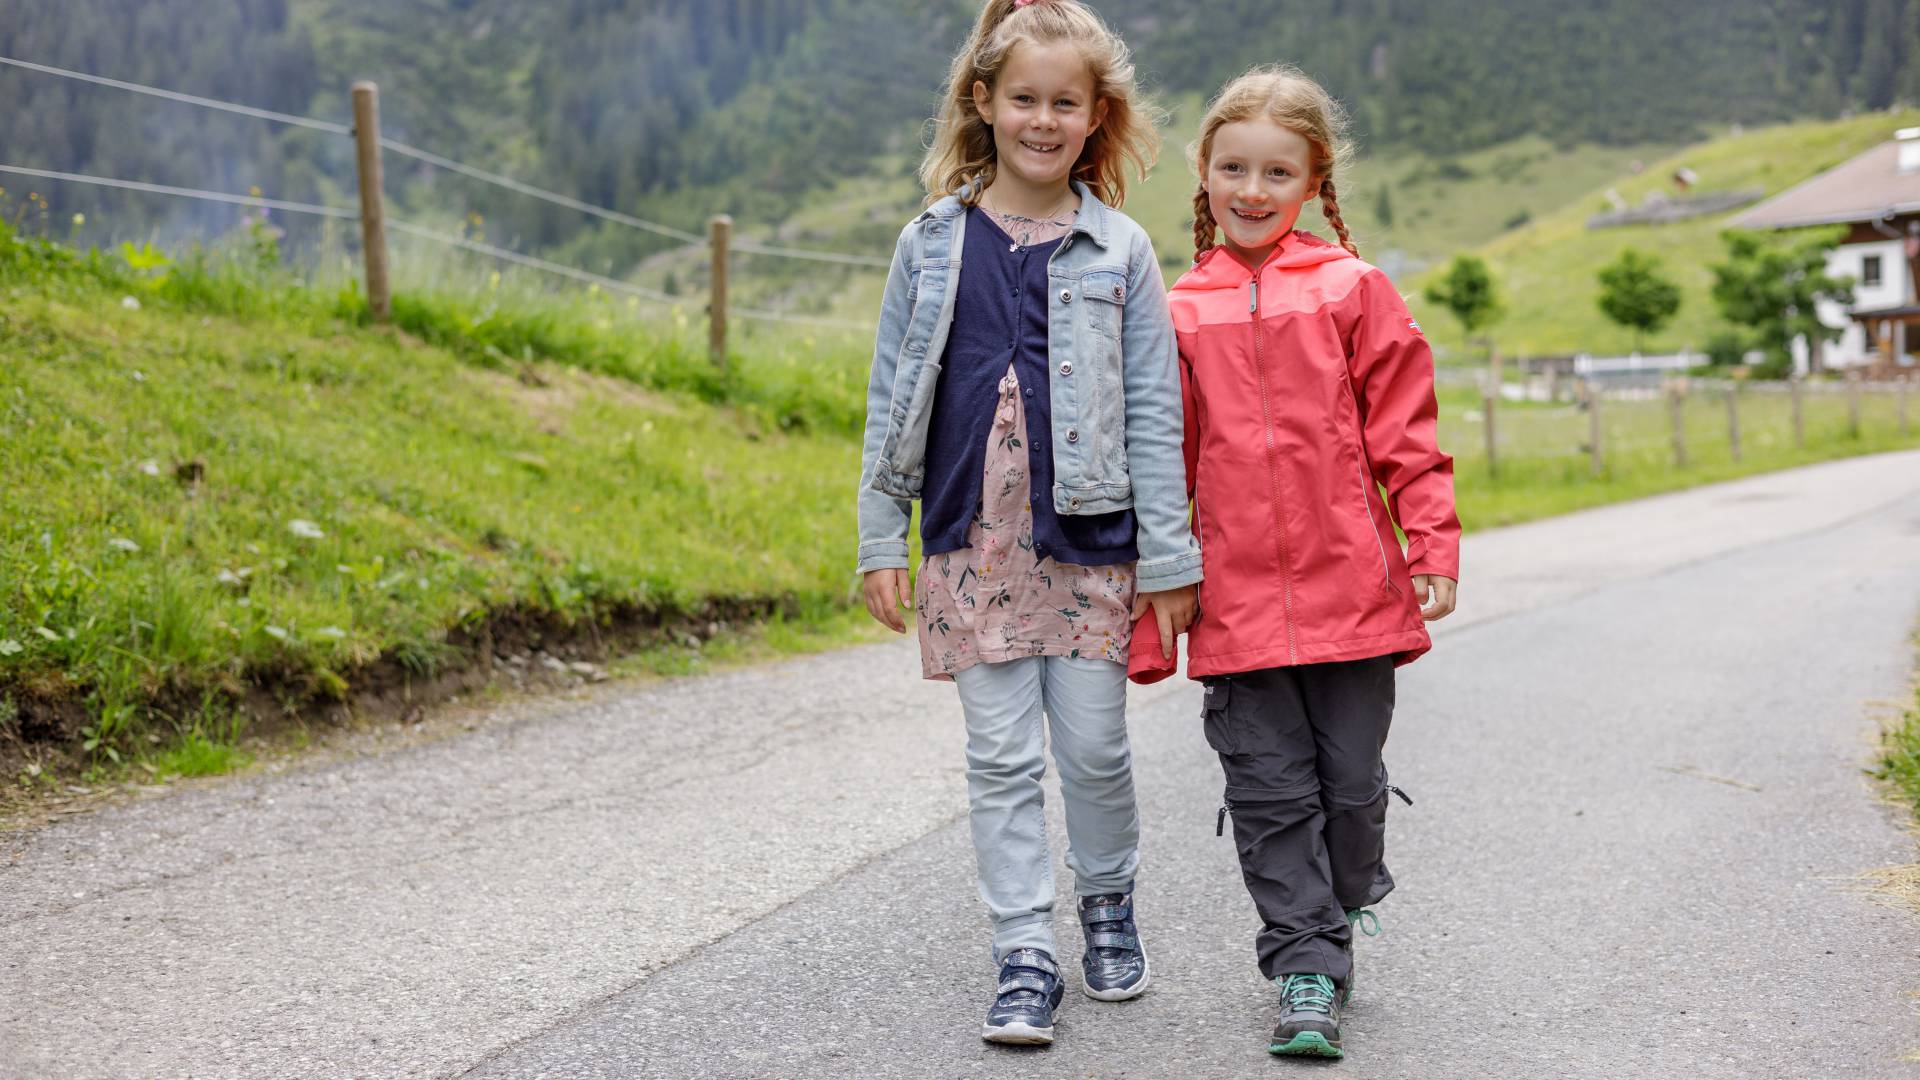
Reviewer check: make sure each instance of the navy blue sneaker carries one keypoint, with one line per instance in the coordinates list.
(1029, 991)
(1115, 965)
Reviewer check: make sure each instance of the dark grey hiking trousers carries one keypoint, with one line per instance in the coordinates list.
(1308, 793)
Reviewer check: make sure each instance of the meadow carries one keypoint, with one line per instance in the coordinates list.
(233, 499)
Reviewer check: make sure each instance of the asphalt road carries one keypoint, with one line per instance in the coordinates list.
(1635, 850)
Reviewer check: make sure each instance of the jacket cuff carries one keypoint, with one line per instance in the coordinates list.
(1160, 575)
(1444, 564)
(882, 555)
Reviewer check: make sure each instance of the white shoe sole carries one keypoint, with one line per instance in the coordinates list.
(1124, 993)
(1017, 1034)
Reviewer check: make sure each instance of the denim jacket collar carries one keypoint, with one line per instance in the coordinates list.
(1092, 219)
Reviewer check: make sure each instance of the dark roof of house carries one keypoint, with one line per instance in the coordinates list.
(1904, 313)
(1869, 187)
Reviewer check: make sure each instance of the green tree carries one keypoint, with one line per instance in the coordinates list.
(1771, 286)
(1634, 294)
(1383, 208)
(1468, 291)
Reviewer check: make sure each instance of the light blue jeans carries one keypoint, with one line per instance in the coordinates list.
(1085, 702)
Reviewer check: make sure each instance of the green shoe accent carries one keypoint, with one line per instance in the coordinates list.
(1365, 921)
(1306, 1044)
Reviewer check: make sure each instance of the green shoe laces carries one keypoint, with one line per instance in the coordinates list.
(1365, 921)
(1307, 993)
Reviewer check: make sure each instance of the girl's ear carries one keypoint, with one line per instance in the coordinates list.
(1099, 115)
(983, 101)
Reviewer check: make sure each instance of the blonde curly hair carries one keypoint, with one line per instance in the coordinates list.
(961, 150)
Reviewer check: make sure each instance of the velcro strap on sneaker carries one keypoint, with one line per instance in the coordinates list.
(1025, 980)
(1106, 913)
(1113, 941)
(1029, 958)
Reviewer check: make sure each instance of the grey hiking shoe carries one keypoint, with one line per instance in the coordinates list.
(1115, 965)
(1309, 1017)
(1023, 1004)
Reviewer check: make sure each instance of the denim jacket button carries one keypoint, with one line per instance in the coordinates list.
(1073, 434)
(1066, 368)
(1066, 296)
(1073, 504)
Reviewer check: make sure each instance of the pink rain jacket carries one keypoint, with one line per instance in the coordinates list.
(1308, 388)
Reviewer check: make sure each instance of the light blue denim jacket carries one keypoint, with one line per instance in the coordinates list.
(1113, 373)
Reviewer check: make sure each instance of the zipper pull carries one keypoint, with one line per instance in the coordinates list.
(1402, 794)
(1253, 301)
(1220, 821)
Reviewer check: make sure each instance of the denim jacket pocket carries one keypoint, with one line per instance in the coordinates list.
(1106, 295)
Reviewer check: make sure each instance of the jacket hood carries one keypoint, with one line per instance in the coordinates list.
(1220, 268)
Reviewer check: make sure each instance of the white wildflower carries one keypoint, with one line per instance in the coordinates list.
(275, 632)
(150, 467)
(130, 303)
(10, 647)
(333, 632)
(305, 529)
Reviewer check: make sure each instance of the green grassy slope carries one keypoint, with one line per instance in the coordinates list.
(356, 493)
(1547, 270)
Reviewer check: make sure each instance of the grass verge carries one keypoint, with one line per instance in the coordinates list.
(229, 496)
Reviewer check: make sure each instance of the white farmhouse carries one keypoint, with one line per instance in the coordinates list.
(1877, 196)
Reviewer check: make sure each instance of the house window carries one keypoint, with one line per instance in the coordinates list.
(1870, 270)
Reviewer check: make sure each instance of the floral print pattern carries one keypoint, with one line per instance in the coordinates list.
(995, 599)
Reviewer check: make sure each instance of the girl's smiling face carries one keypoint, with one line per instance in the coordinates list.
(1258, 178)
(1042, 112)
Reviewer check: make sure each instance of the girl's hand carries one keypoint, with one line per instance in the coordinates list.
(1173, 609)
(1441, 591)
(887, 592)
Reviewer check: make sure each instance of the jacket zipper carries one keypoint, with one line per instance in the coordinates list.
(1273, 469)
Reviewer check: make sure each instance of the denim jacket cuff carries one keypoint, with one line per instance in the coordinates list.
(1160, 575)
(883, 555)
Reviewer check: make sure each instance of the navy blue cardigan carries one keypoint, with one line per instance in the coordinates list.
(1000, 316)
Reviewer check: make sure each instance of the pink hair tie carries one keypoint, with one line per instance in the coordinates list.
(1024, 3)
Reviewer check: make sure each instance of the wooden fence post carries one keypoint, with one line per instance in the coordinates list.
(1853, 404)
(1596, 431)
(373, 219)
(719, 238)
(1733, 418)
(1797, 392)
(1676, 408)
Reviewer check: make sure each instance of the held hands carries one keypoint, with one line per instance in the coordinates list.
(888, 591)
(1440, 590)
(1173, 609)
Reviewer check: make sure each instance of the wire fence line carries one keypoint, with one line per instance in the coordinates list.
(186, 99)
(504, 254)
(185, 193)
(440, 161)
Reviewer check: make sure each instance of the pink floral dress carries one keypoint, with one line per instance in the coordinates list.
(993, 600)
